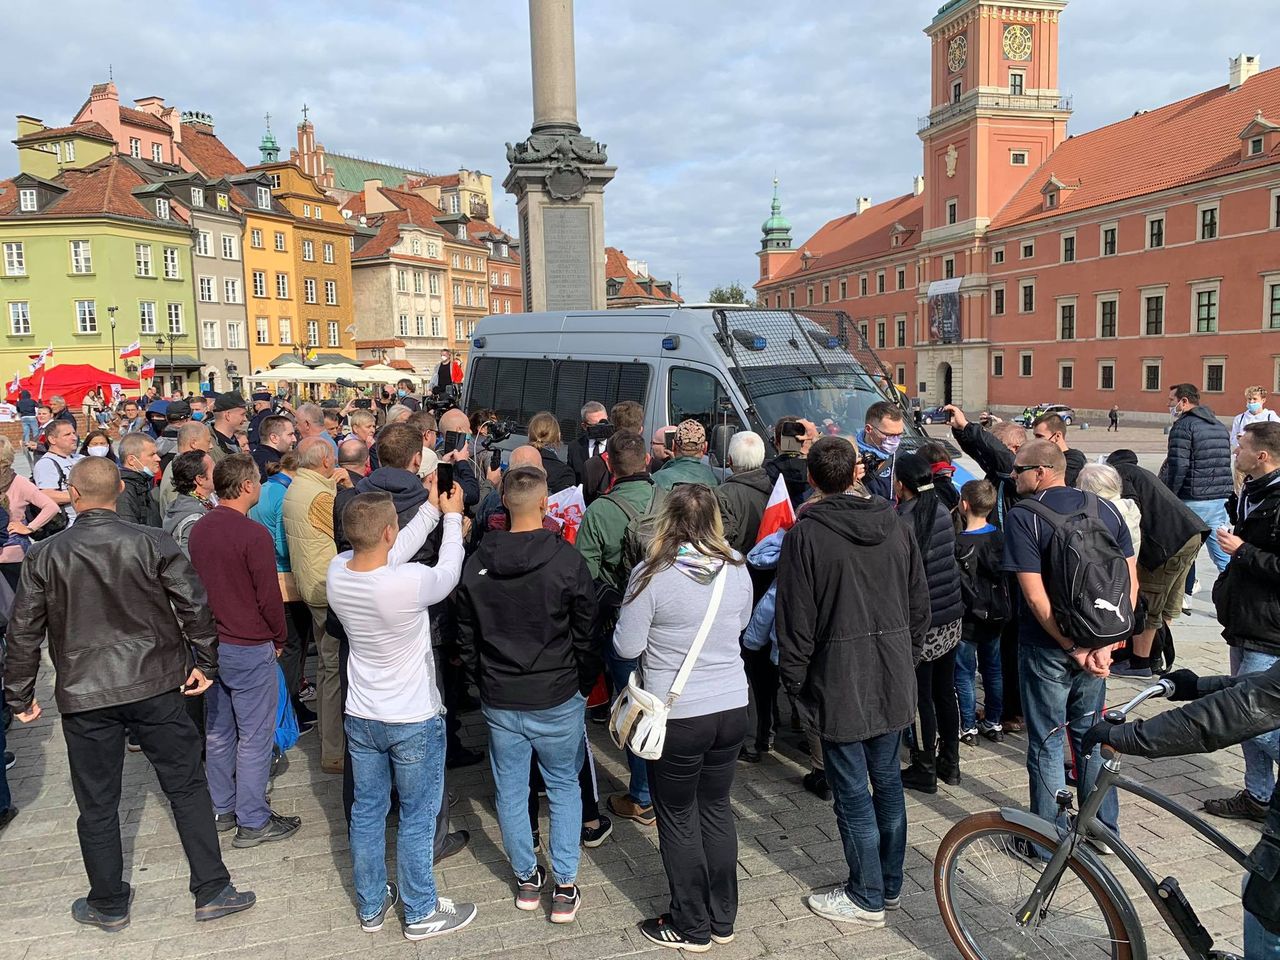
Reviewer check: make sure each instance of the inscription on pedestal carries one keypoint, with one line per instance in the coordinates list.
(566, 251)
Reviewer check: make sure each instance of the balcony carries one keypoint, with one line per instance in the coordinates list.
(993, 101)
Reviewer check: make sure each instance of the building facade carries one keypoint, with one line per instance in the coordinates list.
(628, 284)
(1028, 266)
(270, 280)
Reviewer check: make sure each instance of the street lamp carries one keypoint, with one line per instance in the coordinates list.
(169, 338)
(112, 312)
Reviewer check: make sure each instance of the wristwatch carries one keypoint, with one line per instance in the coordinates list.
(1073, 648)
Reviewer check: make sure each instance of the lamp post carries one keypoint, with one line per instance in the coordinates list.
(170, 339)
(114, 357)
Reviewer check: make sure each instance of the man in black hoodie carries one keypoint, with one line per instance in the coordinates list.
(853, 610)
(526, 606)
(1051, 427)
(789, 464)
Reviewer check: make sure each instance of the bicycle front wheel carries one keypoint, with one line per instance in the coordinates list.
(985, 869)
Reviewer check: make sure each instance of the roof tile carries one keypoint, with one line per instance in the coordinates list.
(208, 154)
(859, 236)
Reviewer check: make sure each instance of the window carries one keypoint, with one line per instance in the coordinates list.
(506, 278)
(69, 150)
(313, 333)
(255, 238)
(862, 285)
(453, 203)
(862, 331)
(81, 257)
(206, 290)
(235, 335)
(15, 260)
(197, 197)
(162, 208)
(259, 283)
(1018, 158)
(142, 259)
(147, 317)
(231, 290)
(308, 250)
(333, 324)
(19, 318)
(1255, 147)
(1209, 223)
(309, 290)
(900, 374)
(471, 295)
(1273, 306)
(1275, 210)
(457, 293)
(1028, 296)
(57, 152)
(27, 200)
(997, 364)
(417, 281)
(956, 90)
(880, 340)
(997, 255)
(223, 202)
(328, 253)
(174, 312)
(209, 335)
(948, 267)
(902, 278)
(282, 286)
(135, 147)
(1067, 321)
(1155, 232)
(286, 332)
(901, 324)
(275, 180)
(1017, 83)
(171, 271)
(204, 243)
(1153, 314)
(457, 262)
(435, 324)
(1028, 249)
(880, 282)
(280, 242)
(468, 262)
(264, 200)
(1108, 244)
(1051, 199)
(791, 298)
(1207, 311)
(157, 153)
(953, 209)
(1024, 364)
(844, 290)
(826, 293)
(402, 325)
(1150, 374)
(1107, 318)
(331, 292)
(433, 284)
(1069, 248)
(1215, 375)
(263, 330)
(432, 249)
(457, 330)
(306, 210)
(230, 247)
(997, 301)
(1106, 375)
(86, 316)
(506, 306)
(402, 281)
(319, 213)
(1066, 376)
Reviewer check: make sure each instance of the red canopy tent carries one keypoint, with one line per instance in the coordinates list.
(71, 381)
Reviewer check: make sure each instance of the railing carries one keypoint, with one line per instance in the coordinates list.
(992, 101)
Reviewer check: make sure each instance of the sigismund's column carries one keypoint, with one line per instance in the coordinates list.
(558, 177)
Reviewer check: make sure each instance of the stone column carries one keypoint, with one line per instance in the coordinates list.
(558, 177)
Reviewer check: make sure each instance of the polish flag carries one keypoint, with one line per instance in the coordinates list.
(132, 350)
(778, 512)
(148, 369)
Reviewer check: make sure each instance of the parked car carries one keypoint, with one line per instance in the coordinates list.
(1029, 415)
(933, 415)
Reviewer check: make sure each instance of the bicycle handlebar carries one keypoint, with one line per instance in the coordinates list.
(1161, 688)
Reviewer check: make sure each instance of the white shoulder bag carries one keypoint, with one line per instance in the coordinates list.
(638, 720)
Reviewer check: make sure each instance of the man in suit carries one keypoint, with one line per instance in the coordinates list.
(584, 448)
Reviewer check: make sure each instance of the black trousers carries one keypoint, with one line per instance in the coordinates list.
(762, 712)
(95, 749)
(297, 621)
(936, 701)
(586, 785)
(696, 833)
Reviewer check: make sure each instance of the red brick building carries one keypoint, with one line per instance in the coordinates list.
(1031, 266)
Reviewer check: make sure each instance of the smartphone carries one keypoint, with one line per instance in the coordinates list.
(454, 440)
(363, 403)
(444, 479)
(669, 440)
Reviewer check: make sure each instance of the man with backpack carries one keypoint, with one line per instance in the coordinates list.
(609, 539)
(985, 589)
(1073, 558)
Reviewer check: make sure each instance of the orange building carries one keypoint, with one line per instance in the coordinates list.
(1029, 266)
(627, 283)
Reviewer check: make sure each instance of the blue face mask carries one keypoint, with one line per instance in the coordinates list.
(402, 393)
(1253, 406)
(197, 414)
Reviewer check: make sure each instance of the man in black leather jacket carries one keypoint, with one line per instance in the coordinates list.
(121, 647)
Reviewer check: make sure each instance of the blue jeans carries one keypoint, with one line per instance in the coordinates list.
(982, 653)
(557, 735)
(619, 672)
(873, 823)
(30, 428)
(412, 753)
(1214, 513)
(1056, 691)
(240, 729)
(1262, 752)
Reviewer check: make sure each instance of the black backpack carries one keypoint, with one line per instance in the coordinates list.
(1085, 575)
(983, 585)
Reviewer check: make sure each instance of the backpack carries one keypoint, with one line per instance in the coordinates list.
(58, 522)
(1086, 575)
(640, 531)
(983, 585)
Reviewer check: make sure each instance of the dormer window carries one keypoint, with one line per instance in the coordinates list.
(462, 231)
(27, 200)
(264, 198)
(1051, 200)
(1255, 147)
(162, 208)
(504, 250)
(223, 202)
(197, 197)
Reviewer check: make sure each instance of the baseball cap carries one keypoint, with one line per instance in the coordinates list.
(690, 433)
(178, 410)
(227, 401)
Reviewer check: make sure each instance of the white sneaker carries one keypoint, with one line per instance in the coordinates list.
(837, 906)
(1186, 603)
(447, 918)
(1195, 586)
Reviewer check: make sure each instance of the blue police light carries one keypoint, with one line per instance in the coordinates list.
(671, 343)
(478, 343)
(824, 339)
(750, 340)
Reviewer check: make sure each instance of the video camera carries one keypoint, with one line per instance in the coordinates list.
(601, 431)
(791, 437)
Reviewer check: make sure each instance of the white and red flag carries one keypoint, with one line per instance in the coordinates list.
(778, 512)
(148, 369)
(132, 350)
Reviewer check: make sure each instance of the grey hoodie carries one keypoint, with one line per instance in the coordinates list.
(183, 506)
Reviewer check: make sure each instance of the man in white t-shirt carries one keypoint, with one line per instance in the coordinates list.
(394, 714)
(52, 470)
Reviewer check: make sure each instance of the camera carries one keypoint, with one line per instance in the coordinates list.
(871, 462)
(500, 430)
(791, 437)
(601, 431)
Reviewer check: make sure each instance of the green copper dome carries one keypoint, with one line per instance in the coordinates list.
(777, 229)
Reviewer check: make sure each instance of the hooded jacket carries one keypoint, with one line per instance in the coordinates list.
(526, 605)
(794, 470)
(407, 495)
(559, 474)
(1247, 593)
(996, 461)
(137, 502)
(853, 610)
(1199, 463)
(946, 603)
(1075, 463)
(743, 497)
(1167, 523)
(178, 522)
(681, 470)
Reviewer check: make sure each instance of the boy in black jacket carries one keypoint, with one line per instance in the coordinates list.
(979, 550)
(526, 606)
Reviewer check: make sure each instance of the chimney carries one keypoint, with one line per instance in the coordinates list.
(374, 201)
(1242, 68)
(151, 105)
(864, 203)
(28, 125)
(917, 186)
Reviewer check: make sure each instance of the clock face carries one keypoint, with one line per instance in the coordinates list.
(957, 53)
(1017, 42)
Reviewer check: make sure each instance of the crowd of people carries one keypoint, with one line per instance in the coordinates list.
(896, 603)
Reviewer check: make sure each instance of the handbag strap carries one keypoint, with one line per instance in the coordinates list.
(686, 668)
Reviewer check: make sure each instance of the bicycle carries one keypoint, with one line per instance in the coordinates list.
(1011, 884)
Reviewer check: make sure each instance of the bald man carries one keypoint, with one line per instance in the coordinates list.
(492, 514)
(464, 472)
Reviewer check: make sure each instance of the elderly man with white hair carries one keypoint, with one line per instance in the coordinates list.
(745, 493)
(310, 423)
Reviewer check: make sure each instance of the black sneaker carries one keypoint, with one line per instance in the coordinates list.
(564, 903)
(81, 912)
(447, 917)
(462, 757)
(599, 714)
(749, 755)
(1238, 806)
(278, 827)
(1131, 672)
(9, 760)
(529, 892)
(994, 732)
(660, 931)
(131, 742)
(229, 901)
(969, 737)
(816, 783)
(389, 899)
(592, 837)
(454, 843)
(224, 821)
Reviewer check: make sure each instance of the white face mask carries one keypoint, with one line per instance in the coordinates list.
(99, 451)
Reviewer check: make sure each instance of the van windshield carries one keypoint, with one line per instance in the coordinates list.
(834, 398)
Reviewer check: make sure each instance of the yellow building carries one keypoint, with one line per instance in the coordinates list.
(271, 293)
(47, 151)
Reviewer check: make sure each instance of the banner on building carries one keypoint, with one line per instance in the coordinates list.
(944, 311)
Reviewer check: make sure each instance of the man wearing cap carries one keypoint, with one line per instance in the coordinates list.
(229, 415)
(687, 466)
(176, 414)
(261, 400)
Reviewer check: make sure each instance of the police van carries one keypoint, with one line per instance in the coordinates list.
(728, 368)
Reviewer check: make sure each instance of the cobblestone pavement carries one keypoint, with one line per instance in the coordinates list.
(788, 846)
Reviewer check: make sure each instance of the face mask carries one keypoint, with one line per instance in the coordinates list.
(402, 393)
(1253, 406)
(890, 445)
(99, 451)
(197, 414)
(1173, 413)
(149, 471)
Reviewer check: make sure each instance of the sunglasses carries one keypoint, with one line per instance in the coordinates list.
(1024, 467)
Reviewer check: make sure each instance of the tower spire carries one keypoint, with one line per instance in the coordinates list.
(267, 146)
(776, 231)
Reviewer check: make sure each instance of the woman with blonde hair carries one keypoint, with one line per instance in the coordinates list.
(544, 434)
(1104, 481)
(17, 493)
(691, 574)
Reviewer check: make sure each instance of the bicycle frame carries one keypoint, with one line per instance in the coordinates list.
(1192, 937)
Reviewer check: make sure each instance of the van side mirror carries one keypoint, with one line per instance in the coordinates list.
(718, 448)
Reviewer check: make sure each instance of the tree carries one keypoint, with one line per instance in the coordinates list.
(733, 293)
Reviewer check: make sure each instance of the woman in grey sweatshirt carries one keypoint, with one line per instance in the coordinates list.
(667, 599)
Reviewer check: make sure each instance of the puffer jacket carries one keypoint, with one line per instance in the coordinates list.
(1247, 593)
(743, 497)
(1167, 522)
(1199, 463)
(946, 602)
(113, 640)
(138, 502)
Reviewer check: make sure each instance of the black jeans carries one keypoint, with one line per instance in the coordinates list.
(95, 749)
(936, 701)
(762, 678)
(696, 833)
(297, 621)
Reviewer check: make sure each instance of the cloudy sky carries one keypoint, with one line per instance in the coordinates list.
(700, 102)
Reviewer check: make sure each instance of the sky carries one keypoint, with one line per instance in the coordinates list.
(700, 103)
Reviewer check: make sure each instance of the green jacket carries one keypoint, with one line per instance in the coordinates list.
(603, 525)
(685, 470)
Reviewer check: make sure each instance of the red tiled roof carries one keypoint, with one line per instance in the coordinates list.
(399, 365)
(207, 153)
(1184, 142)
(444, 180)
(859, 236)
(615, 268)
(85, 128)
(140, 118)
(104, 187)
(388, 235)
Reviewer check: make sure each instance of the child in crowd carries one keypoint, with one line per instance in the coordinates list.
(986, 609)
